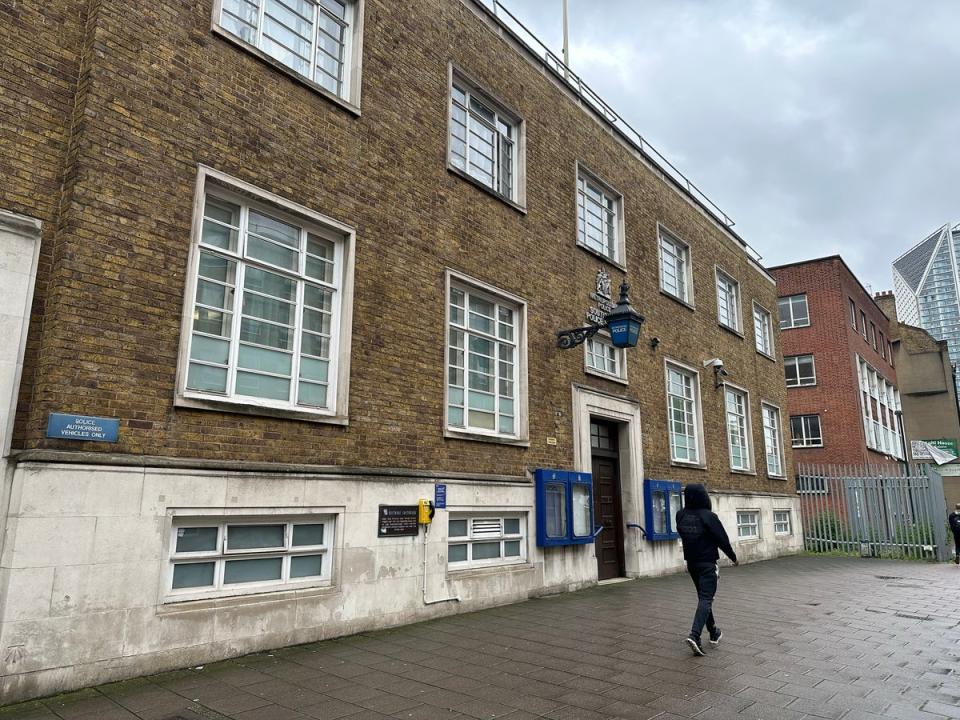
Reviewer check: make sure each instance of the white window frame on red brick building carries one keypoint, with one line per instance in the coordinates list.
(793, 362)
(879, 405)
(801, 431)
(323, 322)
(330, 31)
(788, 310)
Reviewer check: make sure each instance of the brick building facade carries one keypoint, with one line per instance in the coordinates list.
(839, 366)
(308, 289)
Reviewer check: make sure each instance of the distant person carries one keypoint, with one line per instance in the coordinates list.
(954, 521)
(702, 534)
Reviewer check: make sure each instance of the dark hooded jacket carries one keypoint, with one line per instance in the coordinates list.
(700, 529)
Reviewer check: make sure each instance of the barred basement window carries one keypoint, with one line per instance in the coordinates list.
(266, 307)
(781, 522)
(748, 524)
(217, 557)
(315, 39)
(484, 540)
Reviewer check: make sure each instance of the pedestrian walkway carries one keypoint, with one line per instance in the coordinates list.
(803, 637)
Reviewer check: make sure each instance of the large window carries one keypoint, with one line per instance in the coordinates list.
(771, 439)
(266, 314)
(799, 371)
(762, 330)
(748, 524)
(853, 313)
(805, 431)
(675, 267)
(728, 301)
(483, 361)
(484, 140)
(880, 403)
(486, 540)
(738, 428)
(683, 415)
(314, 39)
(793, 312)
(598, 217)
(211, 557)
(603, 358)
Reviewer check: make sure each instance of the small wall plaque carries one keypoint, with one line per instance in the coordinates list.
(397, 521)
(83, 427)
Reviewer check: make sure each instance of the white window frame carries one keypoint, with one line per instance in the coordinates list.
(474, 537)
(726, 283)
(682, 254)
(853, 312)
(791, 300)
(746, 519)
(744, 427)
(614, 199)
(785, 519)
(763, 330)
(794, 361)
(882, 429)
(773, 438)
(619, 355)
(863, 321)
(349, 95)
(805, 440)
(336, 412)
(697, 410)
(492, 294)
(502, 114)
(219, 518)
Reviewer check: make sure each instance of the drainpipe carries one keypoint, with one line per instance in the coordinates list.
(426, 529)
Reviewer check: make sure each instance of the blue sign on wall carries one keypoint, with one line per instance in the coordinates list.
(439, 496)
(83, 427)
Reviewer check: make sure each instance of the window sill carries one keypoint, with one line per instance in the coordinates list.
(277, 65)
(776, 477)
(681, 301)
(690, 466)
(600, 256)
(195, 403)
(794, 327)
(806, 447)
(732, 331)
(768, 356)
(606, 376)
(805, 385)
(489, 191)
(452, 434)
(751, 540)
(469, 573)
(173, 605)
(743, 472)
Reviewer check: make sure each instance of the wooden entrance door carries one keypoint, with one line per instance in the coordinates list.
(607, 505)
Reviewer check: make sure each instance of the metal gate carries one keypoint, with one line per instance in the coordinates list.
(873, 511)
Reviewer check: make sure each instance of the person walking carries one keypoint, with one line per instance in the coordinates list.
(954, 521)
(702, 535)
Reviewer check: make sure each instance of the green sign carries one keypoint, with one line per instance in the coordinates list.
(945, 444)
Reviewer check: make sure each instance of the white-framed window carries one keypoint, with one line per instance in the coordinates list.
(773, 446)
(484, 139)
(748, 524)
(883, 345)
(267, 319)
(873, 335)
(485, 360)
(683, 414)
(879, 404)
(217, 556)
(738, 428)
(799, 371)
(481, 540)
(793, 311)
(599, 217)
(762, 330)
(805, 431)
(781, 522)
(863, 324)
(728, 301)
(853, 313)
(316, 39)
(605, 359)
(675, 270)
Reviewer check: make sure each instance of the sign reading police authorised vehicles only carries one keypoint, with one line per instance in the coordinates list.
(83, 427)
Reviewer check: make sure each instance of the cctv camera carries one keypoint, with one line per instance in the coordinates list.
(715, 363)
(721, 372)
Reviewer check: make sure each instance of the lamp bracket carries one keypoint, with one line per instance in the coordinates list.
(567, 339)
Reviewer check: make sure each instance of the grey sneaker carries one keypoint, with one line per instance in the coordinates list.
(715, 636)
(694, 643)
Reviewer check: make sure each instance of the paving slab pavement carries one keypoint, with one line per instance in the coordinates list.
(804, 638)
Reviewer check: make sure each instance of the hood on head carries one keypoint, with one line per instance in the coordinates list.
(695, 497)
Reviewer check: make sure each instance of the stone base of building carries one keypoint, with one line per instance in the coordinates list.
(89, 592)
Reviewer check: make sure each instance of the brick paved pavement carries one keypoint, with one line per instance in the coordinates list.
(833, 638)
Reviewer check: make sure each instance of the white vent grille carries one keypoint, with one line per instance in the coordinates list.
(487, 527)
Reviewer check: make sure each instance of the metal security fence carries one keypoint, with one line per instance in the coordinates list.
(873, 511)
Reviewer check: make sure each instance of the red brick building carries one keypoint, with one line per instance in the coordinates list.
(842, 392)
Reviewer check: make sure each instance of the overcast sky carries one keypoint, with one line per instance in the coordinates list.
(819, 126)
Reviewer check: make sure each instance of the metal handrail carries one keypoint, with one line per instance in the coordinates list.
(524, 35)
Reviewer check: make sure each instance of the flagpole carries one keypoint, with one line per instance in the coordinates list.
(566, 42)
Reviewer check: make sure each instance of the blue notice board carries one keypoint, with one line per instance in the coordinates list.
(439, 496)
(83, 427)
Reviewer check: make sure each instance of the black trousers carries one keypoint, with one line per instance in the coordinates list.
(956, 542)
(705, 577)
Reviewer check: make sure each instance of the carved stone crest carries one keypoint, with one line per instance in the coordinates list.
(603, 284)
